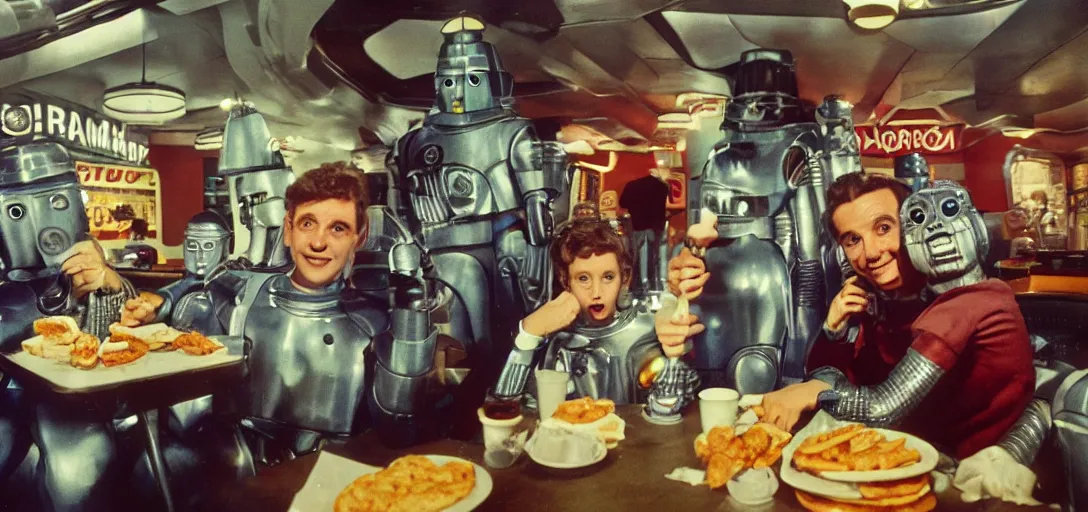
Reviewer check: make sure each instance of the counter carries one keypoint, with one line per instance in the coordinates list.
(630, 478)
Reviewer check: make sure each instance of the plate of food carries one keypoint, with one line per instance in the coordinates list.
(416, 483)
(589, 415)
(855, 453)
(561, 448)
(726, 454)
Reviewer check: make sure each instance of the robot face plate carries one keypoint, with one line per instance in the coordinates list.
(261, 194)
(39, 223)
(207, 240)
(944, 233)
(469, 76)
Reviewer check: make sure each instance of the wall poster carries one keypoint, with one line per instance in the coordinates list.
(123, 202)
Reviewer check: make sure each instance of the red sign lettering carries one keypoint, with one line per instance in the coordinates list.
(895, 140)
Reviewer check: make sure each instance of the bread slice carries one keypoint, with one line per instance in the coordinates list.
(40, 347)
(85, 352)
(61, 330)
(121, 349)
(157, 336)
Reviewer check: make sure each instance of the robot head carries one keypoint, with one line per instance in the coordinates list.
(207, 241)
(765, 91)
(945, 235)
(41, 208)
(913, 170)
(470, 76)
(251, 160)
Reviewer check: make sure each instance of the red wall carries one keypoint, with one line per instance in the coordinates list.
(181, 171)
(984, 163)
(629, 167)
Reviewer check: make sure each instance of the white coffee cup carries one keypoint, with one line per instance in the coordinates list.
(717, 406)
(551, 390)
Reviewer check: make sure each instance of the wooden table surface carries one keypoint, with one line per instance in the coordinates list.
(630, 478)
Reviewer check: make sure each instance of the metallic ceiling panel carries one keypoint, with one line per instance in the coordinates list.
(806, 8)
(586, 11)
(710, 39)
(609, 45)
(1069, 117)
(676, 76)
(831, 57)
(950, 34)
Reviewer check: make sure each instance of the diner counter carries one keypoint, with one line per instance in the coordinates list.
(630, 478)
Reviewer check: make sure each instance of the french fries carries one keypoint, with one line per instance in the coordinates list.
(852, 448)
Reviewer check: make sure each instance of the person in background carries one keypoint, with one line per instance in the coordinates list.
(645, 199)
(608, 347)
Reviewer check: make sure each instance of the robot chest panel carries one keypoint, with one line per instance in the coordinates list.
(459, 176)
(298, 345)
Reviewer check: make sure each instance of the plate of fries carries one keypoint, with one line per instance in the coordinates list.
(854, 453)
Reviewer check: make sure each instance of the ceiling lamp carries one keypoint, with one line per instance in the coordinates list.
(872, 14)
(144, 102)
(209, 139)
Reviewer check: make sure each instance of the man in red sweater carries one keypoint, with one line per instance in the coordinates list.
(956, 371)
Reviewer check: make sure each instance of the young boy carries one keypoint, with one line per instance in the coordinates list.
(588, 331)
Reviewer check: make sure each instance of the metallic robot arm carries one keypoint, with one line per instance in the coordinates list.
(1026, 436)
(886, 403)
(808, 279)
(541, 170)
(405, 354)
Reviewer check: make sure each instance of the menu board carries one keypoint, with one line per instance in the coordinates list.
(122, 202)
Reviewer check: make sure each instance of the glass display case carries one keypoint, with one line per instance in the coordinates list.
(1036, 183)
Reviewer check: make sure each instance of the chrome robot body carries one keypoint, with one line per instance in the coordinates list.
(187, 304)
(42, 216)
(476, 184)
(840, 155)
(1070, 414)
(763, 305)
(251, 163)
(945, 236)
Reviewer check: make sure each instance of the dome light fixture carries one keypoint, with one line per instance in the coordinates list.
(872, 14)
(144, 102)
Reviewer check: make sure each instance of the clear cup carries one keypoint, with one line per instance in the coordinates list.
(504, 439)
(551, 390)
(717, 406)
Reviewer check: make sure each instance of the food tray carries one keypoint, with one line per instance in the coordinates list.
(63, 378)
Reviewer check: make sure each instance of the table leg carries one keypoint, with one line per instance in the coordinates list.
(154, 455)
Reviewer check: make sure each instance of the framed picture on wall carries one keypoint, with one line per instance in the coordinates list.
(678, 191)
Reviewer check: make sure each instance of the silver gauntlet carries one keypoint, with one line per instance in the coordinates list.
(886, 403)
(519, 364)
(1026, 436)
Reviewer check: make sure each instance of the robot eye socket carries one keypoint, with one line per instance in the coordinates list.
(209, 246)
(474, 80)
(16, 211)
(917, 216)
(59, 202)
(448, 82)
(192, 246)
(950, 207)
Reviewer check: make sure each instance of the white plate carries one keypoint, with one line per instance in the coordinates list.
(928, 462)
(332, 473)
(600, 451)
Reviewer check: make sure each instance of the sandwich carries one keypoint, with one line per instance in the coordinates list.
(196, 344)
(40, 347)
(84, 352)
(122, 349)
(156, 336)
(58, 330)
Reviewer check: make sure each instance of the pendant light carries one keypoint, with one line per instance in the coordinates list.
(144, 102)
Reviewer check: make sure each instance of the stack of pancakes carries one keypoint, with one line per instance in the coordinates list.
(908, 495)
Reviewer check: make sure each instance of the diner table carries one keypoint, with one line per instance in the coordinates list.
(631, 477)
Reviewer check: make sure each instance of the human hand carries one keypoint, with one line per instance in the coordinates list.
(851, 300)
(141, 310)
(673, 331)
(687, 275)
(784, 407)
(553, 316)
(88, 270)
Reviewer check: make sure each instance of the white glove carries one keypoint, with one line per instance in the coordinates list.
(993, 473)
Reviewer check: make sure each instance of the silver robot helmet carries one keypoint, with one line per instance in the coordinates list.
(765, 94)
(251, 160)
(41, 208)
(470, 76)
(207, 241)
(945, 235)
